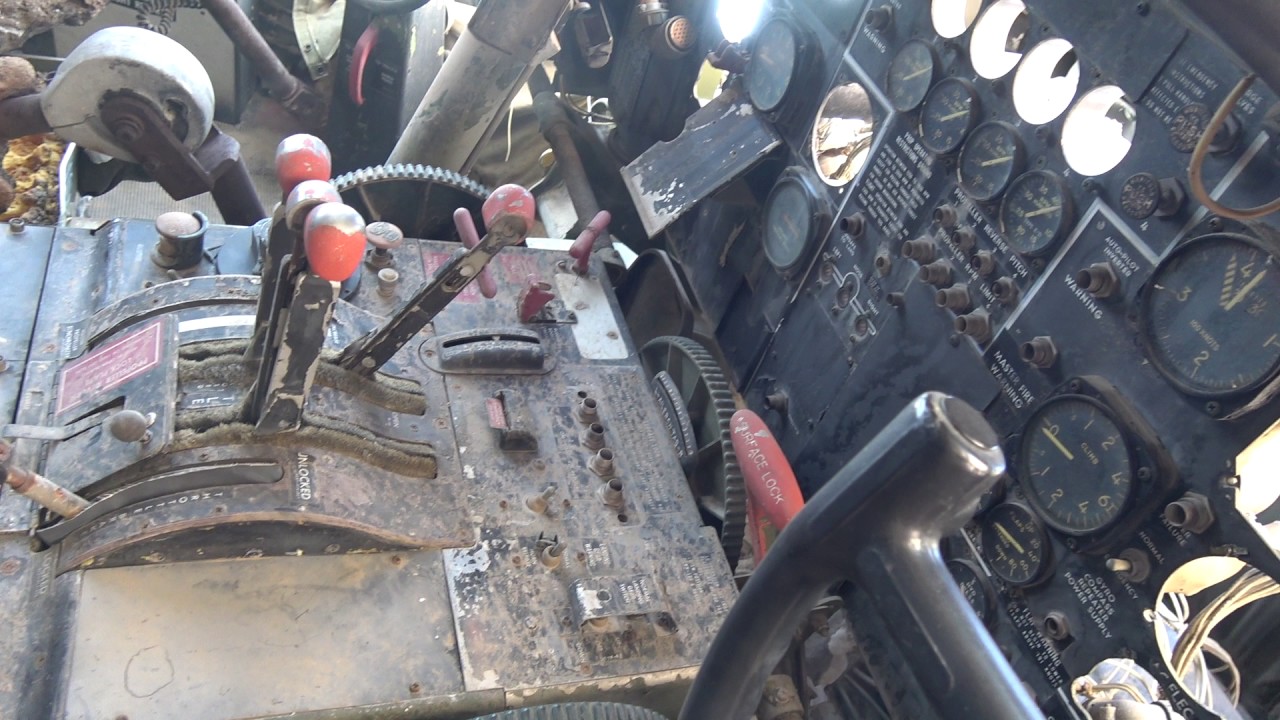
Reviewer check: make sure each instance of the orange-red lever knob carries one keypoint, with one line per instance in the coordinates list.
(301, 157)
(509, 204)
(334, 240)
(581, 249)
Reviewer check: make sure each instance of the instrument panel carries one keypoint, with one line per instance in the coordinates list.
(1002, 210)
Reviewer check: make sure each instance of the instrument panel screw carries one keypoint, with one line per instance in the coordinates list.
(17, 225)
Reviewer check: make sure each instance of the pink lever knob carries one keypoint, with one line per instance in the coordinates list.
(510, 209)
(470, 238)
(334, 240)
(305, 196)
(301, 157)
(581, 248)
(533, 298)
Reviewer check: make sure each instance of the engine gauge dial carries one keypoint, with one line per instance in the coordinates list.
(1035, 213)
(793, 218)
(1211, 316)
(775, 63)
(991, 157)
(950, 111)
(975, 587)
(911, 74)
(1076, 465)
(1014, 544)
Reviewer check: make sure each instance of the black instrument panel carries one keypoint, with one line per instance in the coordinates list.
(1072, 290)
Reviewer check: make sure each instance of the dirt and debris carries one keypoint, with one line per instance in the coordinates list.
(32, 165)
(20, 19)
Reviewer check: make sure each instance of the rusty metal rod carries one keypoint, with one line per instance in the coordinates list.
(44, 492)
(22, 116)
(289, 90)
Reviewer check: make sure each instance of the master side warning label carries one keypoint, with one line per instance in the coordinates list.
(110, 366)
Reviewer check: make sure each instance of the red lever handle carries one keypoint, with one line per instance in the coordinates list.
(334, 240)
(534, 297)
(359, 59)
(470, 238)
(301, 157)
(770, 480)
(305, 196)
(580, 251)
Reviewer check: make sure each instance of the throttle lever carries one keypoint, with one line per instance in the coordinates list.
(508, 214)
(878, 523)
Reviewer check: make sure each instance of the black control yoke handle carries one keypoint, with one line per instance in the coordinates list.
(878, 523)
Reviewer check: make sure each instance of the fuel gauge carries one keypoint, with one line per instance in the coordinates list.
(1014, 544)
(950, 112)
(991, 157)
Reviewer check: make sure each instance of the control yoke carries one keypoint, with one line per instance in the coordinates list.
(878, 523)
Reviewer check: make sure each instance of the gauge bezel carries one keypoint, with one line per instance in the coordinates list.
(933, 74)
(1146, 331)
(819, 218)
(799, 61)
(1018, 163)
(1046, 560)
(975, 114)
(1068, 212)
(1029, 490)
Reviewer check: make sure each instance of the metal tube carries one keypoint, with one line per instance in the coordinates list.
(44, 492)
(22, 116)
(236, 197)
(554, 124)
(289, 90)
(484, 70)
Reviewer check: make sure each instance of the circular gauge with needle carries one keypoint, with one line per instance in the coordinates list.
(975, 587)
(1036, 212)
(1076, 465)
(794, 217)
(991, 157)
(911, 74)
(950, 111)
(777, 58)
(1211, 316)
(1014, 544)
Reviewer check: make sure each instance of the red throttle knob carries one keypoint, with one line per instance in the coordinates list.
(301, 157)
(770, 480)
(509, 204)
(586, 242)
(334, 240)
(305, 196)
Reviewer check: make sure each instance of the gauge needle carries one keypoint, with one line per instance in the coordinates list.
(1042, 211)
(918, 73)
(1057, 443)
(1245, 291)
(955, 115)
(1008, 537)
(997, 161)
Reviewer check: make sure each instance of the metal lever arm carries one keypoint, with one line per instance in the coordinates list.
(508, 215)
(878, 523)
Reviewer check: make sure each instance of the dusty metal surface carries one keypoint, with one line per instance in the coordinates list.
(719, 143)
(440, 538)
(20, 19)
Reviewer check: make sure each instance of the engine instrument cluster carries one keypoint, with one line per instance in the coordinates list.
(1022, 233)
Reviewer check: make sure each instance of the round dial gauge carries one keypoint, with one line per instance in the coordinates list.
(950, 111)
(1035, 213)
(974, 586)
(1211, 316)
(774, 63)
(1014, 544)
(1076, 465)
(792, 220)
(911, 74)
(991, 157)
